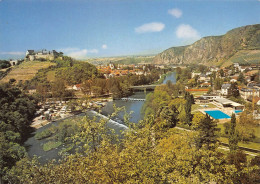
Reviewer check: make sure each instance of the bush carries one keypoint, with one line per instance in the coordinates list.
(44, 134)
(51, 145)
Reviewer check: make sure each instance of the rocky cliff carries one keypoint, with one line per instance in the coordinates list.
(214, 49)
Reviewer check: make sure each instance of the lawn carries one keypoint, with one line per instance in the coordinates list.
(26, 70)
(251, 145)
(196, 107)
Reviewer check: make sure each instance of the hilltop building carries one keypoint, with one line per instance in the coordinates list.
(43, 54)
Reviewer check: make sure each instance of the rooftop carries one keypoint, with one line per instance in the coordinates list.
(225, 101)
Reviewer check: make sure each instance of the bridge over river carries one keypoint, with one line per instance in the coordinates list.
(145, 87)
(131, 99)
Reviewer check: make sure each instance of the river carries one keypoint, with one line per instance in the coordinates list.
(34, 147)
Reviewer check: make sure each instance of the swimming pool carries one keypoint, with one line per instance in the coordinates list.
(217, 114)
(238, 111)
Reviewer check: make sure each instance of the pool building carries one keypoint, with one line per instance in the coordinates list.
(225, 103)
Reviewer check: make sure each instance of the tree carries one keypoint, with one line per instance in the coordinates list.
(221, 72)
(233, 135)
(234, 91)
(241, 78)
(58, 89)
(197, 118)
(218, 83)
(42, 89)
(207, 133)
(168, 117)
(246, 126)
(210, 90)
(189, 101)
(10, 151)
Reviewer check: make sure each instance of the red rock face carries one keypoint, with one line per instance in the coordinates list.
(214, 48)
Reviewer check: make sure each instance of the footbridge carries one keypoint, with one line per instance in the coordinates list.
(132, 99)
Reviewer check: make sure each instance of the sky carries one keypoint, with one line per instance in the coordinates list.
(103, 28)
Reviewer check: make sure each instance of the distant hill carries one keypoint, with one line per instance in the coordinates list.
(238, 45)
(121, 60)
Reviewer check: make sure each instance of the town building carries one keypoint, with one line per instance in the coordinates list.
(225, 89)
(245, 93)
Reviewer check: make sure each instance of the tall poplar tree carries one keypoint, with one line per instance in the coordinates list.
(233, 135)
(189, 101)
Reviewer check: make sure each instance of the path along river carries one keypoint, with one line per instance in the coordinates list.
(34, 147)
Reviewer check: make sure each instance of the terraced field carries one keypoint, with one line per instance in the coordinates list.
(26, 70)
(246, 57)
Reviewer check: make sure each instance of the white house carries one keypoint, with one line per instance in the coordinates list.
(225, 89)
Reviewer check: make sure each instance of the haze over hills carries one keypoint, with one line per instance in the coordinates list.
(238, 45)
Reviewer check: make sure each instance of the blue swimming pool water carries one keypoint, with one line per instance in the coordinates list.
(238, 111)
(217, 114)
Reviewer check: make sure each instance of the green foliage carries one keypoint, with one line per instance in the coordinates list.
(145, 155)
(167, 117)
(44, 134)
(233, 135)
(4, 64)
(183, 75)
(187, 107)
(241, 78)
(207, 133)
(234, 91)
(51, 145)
(10, 151)
(77, 72)
(59, 91)
(67, 70)
(246, 126)
(16, 109)
(16, 112)
(218, 83)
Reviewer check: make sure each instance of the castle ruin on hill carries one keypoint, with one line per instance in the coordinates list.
(43, 54)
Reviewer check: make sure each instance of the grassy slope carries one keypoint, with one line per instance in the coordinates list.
(246, 56)
(26, 70)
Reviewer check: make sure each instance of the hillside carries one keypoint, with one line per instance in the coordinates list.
(121, 60)
(238, 45)
(26, 70)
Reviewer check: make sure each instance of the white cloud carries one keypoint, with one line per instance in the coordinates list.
(12, 53)
(150, 27)
(104, 46)
(175, 12)
(185, 31)
(78, 53)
